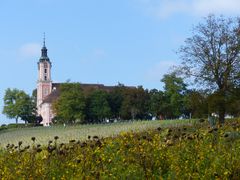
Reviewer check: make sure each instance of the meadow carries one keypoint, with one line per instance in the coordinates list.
(79, 132)
(190, 150)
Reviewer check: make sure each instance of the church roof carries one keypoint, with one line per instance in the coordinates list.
(52, 96)
(87, 88)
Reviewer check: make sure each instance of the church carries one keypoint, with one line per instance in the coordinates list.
(48, 92)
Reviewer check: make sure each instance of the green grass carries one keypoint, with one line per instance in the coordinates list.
(79, 132)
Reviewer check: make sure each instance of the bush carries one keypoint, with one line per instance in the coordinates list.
(14, 125)
(3, 127)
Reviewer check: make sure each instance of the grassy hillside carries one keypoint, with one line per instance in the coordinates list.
(194, 151)
(79, 132)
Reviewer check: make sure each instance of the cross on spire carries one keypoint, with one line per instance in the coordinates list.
(44, 39)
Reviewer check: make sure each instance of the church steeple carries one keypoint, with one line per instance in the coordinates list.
(44, 65)
(44, 83)
(44, 56)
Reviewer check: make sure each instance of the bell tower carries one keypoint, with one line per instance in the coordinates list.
(44, 83)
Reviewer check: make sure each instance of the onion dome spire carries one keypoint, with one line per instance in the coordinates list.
(44, 56)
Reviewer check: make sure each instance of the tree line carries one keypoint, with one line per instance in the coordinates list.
(74, 105)
(128, 103)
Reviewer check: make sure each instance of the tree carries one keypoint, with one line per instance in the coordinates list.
(142, 102)
(34, 97)
(128, 109)
(231, 100)
(233, 103)
(174, 91)
(135, 103)
(70, 105)
(115, 100)
(17, 104)
(196, 103)
(211, 56)
(158, 105)
(98, 107)
(28, 111)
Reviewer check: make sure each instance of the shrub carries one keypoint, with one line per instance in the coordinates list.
(14, 125)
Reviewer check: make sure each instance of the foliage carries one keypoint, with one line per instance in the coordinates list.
(135, 103)
(98, 107)
(155, 100)
(211, 56)
(174, 91)
(17, 104)
(233, 102)
(142, 103)
(196, 103)
(70, 106)
(115, 100)
(3, 127)
(183, 152)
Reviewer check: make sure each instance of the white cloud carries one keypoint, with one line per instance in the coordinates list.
(99, 53)
(156, 72)
(165, 8)
(30, 50)
(216, 6)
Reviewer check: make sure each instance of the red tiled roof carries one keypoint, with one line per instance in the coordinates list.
(86, 88)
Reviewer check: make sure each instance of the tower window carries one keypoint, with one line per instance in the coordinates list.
(45, 65)
(45, 78)
(45, 70)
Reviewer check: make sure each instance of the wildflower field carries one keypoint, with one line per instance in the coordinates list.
(190, 151)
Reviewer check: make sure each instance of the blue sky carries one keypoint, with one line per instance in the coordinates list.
(97, 41)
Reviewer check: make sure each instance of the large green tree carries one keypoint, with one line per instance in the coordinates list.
(233, 103)
(142, 102)
(70, 105)
(196, 103)
(18, 104)
(211, 56)
(175, 88)
(98, 108)
(135, 103)
(115, 100)
(158, 103)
